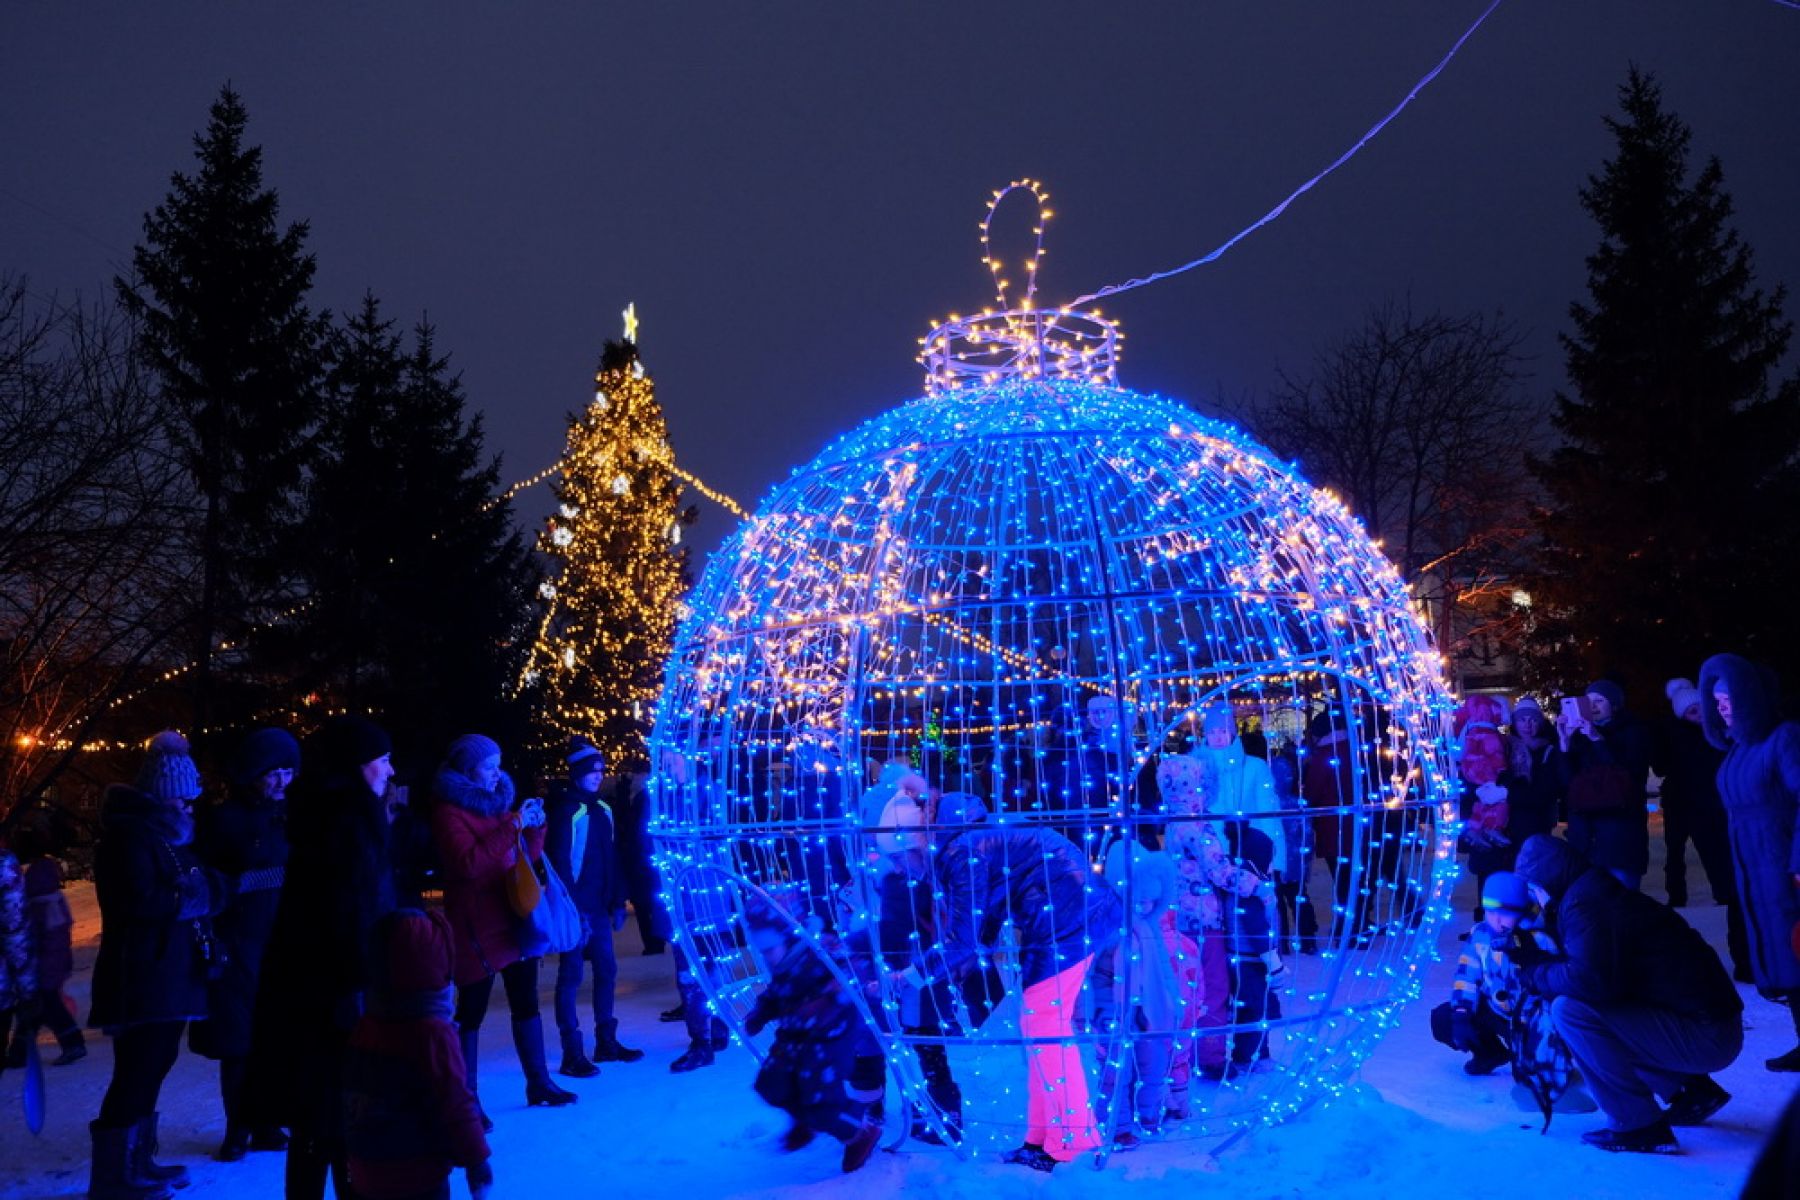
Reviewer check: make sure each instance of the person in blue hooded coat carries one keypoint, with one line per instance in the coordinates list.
(1759, 781)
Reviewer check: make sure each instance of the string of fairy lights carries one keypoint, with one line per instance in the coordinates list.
(1030, 585)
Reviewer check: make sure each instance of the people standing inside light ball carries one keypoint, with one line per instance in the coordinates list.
(1242, 784)
(1759, 783)
(481, 828)
(1039, 885)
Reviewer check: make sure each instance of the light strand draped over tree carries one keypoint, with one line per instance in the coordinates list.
(618, 570)
(1671, 501)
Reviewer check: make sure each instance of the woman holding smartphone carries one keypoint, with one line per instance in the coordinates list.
(1606, 765)
(479, 831)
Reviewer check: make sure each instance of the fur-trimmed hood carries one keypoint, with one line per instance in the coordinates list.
(1755, 701)
(453, 787)
(1551, 863)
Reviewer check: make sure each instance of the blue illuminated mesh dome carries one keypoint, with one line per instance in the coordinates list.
(1036, 593)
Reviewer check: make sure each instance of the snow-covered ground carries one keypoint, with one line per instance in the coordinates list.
(1416, 1124)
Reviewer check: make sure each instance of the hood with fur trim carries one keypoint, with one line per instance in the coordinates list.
(1551, 863)
(453, 787)
(1755, 701)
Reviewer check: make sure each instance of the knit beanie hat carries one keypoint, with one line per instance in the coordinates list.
(960, 808)
(168, 772)
(1615, 695)
(1682, 694)
(1526, 706)
(583, 757)
(1505, 892)
(263, 751)
(469, 751)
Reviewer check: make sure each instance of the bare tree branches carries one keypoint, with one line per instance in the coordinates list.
(92, 529)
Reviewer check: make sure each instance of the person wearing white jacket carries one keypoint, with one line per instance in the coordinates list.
(1244, 785)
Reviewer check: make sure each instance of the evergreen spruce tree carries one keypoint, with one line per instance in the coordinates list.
(617, 570)
(1670, 503)
(219, 290)
(420, 587)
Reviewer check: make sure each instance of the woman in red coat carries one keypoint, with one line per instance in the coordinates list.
(479, 831)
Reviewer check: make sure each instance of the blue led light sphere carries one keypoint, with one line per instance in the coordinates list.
(1146, 647)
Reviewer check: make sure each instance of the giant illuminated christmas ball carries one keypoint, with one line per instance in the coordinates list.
(1040, 589)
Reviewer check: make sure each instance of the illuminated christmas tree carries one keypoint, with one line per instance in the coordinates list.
(617, 569)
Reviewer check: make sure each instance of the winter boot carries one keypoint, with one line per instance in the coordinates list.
(575, 1064)
(470, 1040)
(1784, 1062)
(528, 1040)
(699, 1054)
(109, 1171)
(235, 1145)
(607, 1047)
(268, 1137)
(1654, 1138)
(670, 1016)
(860, 1146)
(74, 1049)
(1696, 1102)
(143, 1158)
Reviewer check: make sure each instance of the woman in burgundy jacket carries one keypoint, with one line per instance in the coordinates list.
(479, 831)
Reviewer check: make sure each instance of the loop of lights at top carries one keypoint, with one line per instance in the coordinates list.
(1019, 342)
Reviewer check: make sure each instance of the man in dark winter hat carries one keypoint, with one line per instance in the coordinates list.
(1643, 1002)
(581, 843)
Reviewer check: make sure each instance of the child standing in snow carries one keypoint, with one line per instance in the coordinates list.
(409, 1114)
(1138, 982)
(49, 923)
(1226, 903)
(825, 1069)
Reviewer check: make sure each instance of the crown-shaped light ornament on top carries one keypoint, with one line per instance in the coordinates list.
(1019, 341)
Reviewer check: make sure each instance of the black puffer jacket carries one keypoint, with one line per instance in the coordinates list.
(1619, 947)
(1035, 878)
(156, 906)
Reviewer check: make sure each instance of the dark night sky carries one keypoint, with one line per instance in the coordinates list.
(790, 192)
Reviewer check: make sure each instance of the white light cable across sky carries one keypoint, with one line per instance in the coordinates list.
(1131, 284)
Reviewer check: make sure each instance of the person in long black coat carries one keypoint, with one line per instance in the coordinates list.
(245, 839)
(1534, 799)
(1692, 810)
(156, 950)
(1606, 766)
(340, 881)
(1759, 782)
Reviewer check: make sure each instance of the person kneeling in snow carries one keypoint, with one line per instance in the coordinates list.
(409, 1114)
(1643, 1002)
(825, 1069)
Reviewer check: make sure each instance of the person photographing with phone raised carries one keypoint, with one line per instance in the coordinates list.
(1606, 764)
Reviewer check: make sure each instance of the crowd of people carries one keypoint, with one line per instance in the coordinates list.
(334, 945)
(1592, 991)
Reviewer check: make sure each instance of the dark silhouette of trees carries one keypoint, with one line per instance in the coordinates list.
(219, 291)
(1668, 529)
(1418, 422)
(417, 584)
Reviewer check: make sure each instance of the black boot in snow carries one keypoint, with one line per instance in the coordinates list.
(1785, 1062)
(575, 1064)
(608, 1048)
(235, 1145)
(699, 1054)
(528, 1040)
(143, 1158)
(470, 1040)
(110, 1176)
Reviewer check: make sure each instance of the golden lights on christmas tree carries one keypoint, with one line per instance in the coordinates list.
(617, 571)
